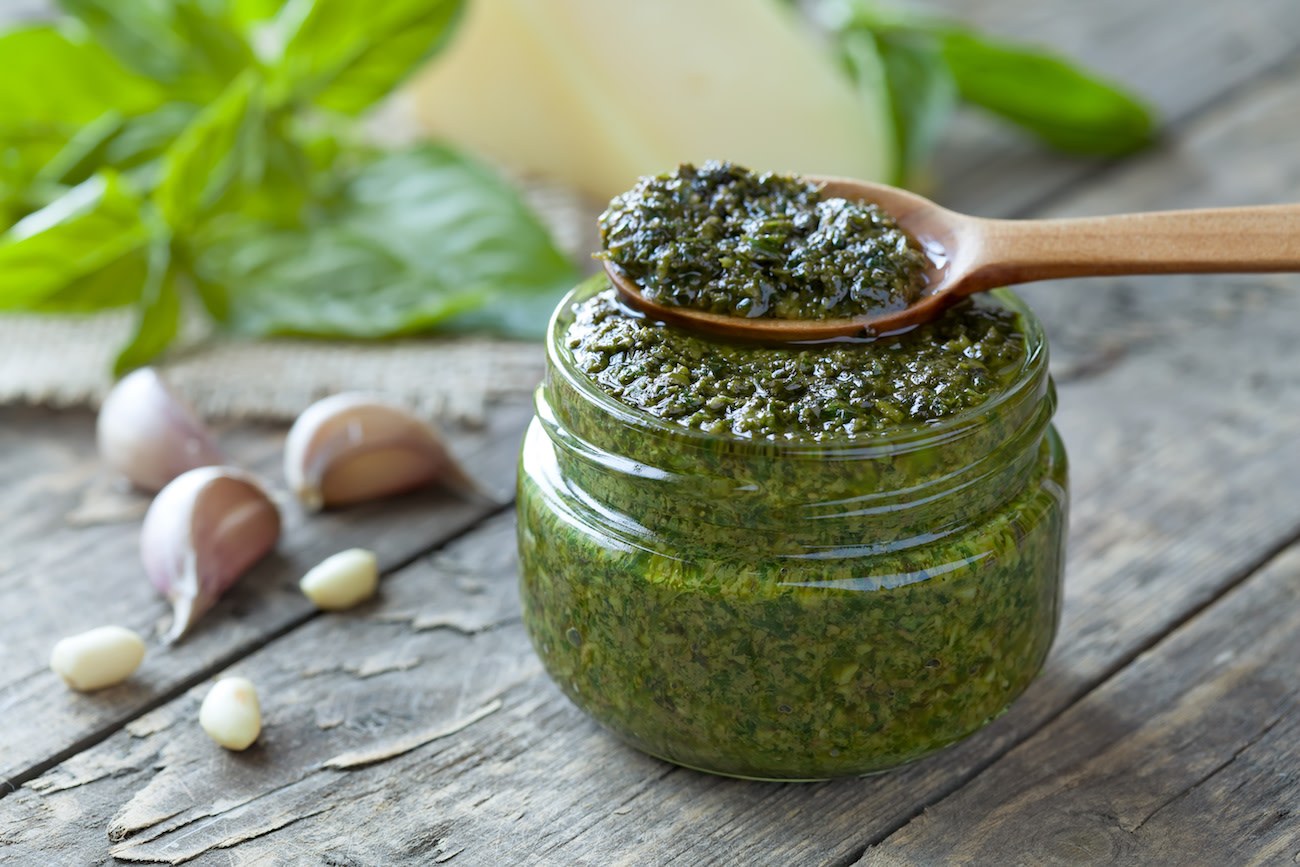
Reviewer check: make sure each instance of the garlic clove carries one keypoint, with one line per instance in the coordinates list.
(342, 581)
(102, 657)
(353, 447)
(148, 434)
(231, 713)
(202, 531)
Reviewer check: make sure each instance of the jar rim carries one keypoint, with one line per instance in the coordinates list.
(891, 441)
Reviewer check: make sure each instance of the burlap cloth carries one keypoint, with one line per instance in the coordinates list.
(63, 361)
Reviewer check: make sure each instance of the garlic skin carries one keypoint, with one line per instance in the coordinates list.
(202, 531)
(102, 657)
(148, 434)
(231, 713)
(354, 447)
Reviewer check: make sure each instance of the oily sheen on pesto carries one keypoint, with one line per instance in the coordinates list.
(724, 239)
(786, 594)
(821, 391)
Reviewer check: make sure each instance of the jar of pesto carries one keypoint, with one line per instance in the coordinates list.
(792, 586)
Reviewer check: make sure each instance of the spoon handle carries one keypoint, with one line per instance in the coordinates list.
(1218, 240)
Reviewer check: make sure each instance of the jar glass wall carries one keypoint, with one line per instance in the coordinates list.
(791, 609)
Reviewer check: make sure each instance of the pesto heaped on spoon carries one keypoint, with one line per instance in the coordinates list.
(726, 240)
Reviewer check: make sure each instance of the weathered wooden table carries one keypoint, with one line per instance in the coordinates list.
(1164, 730)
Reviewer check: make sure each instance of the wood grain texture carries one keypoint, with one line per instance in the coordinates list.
(59, 579)
(1186, 757)
(1183, 422)
(1180, 57)
(536, 782)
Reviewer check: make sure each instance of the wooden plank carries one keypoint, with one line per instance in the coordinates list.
(1181, 57)
(1186, 757)
(534, 779)
(59, 579)
(1144, 519)
(1183, 480)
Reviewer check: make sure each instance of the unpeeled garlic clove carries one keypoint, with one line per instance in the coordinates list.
(353, 447)
(202, 531)
(148, 434)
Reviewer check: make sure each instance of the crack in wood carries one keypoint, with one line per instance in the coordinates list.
(456, 621)
(1206, 777)
(124, 851)
(122, 830)
(361, 758)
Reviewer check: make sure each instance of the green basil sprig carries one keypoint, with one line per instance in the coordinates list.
(929, 65)
(204, 148)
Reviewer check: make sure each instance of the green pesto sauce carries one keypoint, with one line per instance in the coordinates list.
(726, 240)
(745, 652)
(774, 599)
(823, 391)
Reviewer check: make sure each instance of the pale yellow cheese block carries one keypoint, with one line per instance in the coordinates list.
(594, 93)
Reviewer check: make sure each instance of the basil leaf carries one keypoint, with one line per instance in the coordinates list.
(23, 153)
(445, 213)
(53, 79)
(84, 152)
(193, 46)
(147, 136)
(420, 239)
(922, 94)
(248, 14)
(286, 181)
(1065, 106)
(206, 159)
(160, 310)
(344, 55)
(216, 47)
(117, 284)
(94, 225)
(928, 59)
(456, 220)
(325, 283)
(137, 32)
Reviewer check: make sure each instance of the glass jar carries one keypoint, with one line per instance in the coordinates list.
(786, 610)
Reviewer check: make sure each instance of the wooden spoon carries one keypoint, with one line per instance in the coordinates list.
(971, 254)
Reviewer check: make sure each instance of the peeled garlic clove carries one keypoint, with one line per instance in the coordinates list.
(342, 581)
(148, 434)
(352, 447)
(231, 713)
(202, 531)
(101, 657)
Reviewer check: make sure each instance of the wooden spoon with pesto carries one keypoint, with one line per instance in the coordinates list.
(971, 254)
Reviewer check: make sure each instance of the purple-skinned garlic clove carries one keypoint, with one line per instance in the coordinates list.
(148, 434)
(353, 447)
(201, 533)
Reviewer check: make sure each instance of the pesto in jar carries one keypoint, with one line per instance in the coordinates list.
(726, 240)
(822, 391)
(782, 593)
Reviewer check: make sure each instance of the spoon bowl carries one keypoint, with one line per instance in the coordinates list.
(969, 254)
